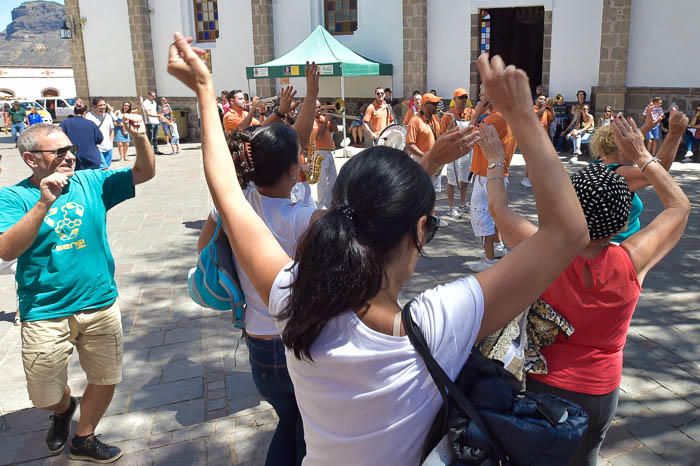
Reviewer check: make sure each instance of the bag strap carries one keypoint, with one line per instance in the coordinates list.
(445, 385)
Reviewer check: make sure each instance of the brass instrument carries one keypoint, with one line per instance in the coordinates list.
(315, 159)
(340, 115)
(338, 107)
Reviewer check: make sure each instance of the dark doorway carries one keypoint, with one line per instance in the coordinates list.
(517, 35)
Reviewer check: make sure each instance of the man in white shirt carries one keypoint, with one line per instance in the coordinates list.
(150, 115)
(105, 123)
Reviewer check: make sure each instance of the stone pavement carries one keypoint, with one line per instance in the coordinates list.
(188, 398)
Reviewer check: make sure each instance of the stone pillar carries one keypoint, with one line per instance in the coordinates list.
(547, 51)
(77, 50)
(141, 46)
(263, 43)
(614, 41)
(415, 46)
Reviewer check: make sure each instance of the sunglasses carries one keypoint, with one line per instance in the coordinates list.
(58, 153)
(380, 93)
(431, 227)
(463, 97)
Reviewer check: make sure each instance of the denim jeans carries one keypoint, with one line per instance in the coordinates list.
(17, 129)
(152, 133)
(689, 141)
(269, 367)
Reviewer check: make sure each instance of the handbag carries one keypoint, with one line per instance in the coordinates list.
(214, 282)
(489, 420)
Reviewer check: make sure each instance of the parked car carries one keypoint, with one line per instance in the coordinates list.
(28, 104)
(59, 107)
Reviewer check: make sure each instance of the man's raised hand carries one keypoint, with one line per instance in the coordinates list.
(186, 65)
(677, 121)
(286, 98)
(312, 77)
(491, 144)
(51, 187)
(134, 124)
(629, 139)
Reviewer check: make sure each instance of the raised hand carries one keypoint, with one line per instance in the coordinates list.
(677, 121)
(507, 87)
(134, 124)
(51, 187)
(286, 98)
(186, 65)
(451, 146)
(629, 139)
(312, 77)
(491, 144)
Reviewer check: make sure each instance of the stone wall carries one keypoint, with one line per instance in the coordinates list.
(263, 42)
(142, 46)
(415, 46)
(77, 50)
(637, 98)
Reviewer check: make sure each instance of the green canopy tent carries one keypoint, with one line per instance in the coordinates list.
(333, 58)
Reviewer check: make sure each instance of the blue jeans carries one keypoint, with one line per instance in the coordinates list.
(689, 141)
(269, 367)
(106, 157)
(152, 133)
(17, 129)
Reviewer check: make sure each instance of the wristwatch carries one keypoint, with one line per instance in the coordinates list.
(496, 164)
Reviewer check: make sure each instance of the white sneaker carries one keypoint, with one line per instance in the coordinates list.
(526, 182)
(688, 154)
(481, 265)
(442, 223)
(464, 208)
(573, 159)
(498, 252)
(454, 213)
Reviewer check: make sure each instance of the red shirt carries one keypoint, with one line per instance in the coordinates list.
(590, 360)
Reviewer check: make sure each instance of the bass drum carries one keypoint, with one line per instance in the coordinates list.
(393, 136)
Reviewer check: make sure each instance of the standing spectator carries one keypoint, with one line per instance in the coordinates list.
(33, 117)
(65, 277)
(165, 113)
(174, 136)
(104, 121)
(18, 120)
(85, 136)
(150, 114)
(657, 114)
(121, 135)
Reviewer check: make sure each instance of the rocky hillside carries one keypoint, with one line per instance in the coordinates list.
(31, 39)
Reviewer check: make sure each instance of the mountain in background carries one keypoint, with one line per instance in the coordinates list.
(31, 39)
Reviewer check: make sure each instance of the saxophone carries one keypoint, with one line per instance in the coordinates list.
(315, 159)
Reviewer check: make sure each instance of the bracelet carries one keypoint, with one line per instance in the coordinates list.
(277, 112)
(653, 159)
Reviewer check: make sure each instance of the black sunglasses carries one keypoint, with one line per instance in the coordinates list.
(463, 97)
(431, 226)
(380, 93)
(58, 153)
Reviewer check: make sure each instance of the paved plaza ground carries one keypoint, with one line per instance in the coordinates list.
(188, 398)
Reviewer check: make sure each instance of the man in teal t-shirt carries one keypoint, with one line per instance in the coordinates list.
(55, 224)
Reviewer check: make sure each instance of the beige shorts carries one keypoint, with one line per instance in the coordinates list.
(48, 344)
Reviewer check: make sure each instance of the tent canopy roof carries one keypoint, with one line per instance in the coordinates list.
(333, 58)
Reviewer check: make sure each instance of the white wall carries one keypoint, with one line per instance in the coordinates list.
(107, 41)
(232, 52)
(663, 44)
(29, 82)
(449, 45)
(575, 46)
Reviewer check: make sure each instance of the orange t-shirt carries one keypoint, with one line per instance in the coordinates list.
(234, 117)
(449, 117)
(378, 118)
(407, 118)
(423, 133)
(546, 119)
(324, 140)
(479, 163)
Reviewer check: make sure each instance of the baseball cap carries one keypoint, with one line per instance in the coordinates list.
(428, 97)
(460, 92)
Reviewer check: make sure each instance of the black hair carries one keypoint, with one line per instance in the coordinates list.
(378, 198)
(79, 110)
(416, 93)
(233, 93)
(262, 154)
(387, 89)
(96, 99)
(584, 94)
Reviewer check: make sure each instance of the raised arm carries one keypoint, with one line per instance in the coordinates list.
(677, 125)
(305, 122)
(648, 246)
(285, 106)
(521, 276)
(256, 249)
(145, 165)
(514, 228)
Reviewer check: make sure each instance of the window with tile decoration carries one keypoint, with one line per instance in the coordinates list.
(485, 30)
(206, 20)
(340, 16)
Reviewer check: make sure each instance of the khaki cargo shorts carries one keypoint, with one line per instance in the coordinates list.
(48, 344)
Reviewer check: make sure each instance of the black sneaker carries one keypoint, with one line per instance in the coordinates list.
(59, 428)
(93, 449)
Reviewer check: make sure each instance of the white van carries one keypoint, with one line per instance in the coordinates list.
(58, 107)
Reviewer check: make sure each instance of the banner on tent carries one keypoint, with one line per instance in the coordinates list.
(260, 72)
(325, 70)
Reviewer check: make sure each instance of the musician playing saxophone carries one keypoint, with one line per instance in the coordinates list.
(322, 132)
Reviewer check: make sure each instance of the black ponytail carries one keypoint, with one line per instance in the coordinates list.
(378, 198)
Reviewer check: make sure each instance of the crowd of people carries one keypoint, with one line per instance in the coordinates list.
(326, 341)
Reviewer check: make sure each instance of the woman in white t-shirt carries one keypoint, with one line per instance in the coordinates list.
(365, 397)
(267, 164)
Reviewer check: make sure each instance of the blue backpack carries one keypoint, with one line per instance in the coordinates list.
(214, 283)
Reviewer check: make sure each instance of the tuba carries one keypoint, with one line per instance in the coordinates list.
(315, 159)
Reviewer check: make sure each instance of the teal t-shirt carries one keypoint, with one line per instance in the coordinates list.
(69, 267)
(633, 224)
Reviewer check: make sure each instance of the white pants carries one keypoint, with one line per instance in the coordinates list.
(458, 171)
(482, 222)
(324, 188)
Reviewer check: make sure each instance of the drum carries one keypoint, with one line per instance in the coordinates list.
(393, 136)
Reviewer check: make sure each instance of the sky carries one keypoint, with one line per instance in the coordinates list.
(6, 7)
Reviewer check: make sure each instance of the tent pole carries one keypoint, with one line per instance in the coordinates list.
(345, 122)
(251, 97)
